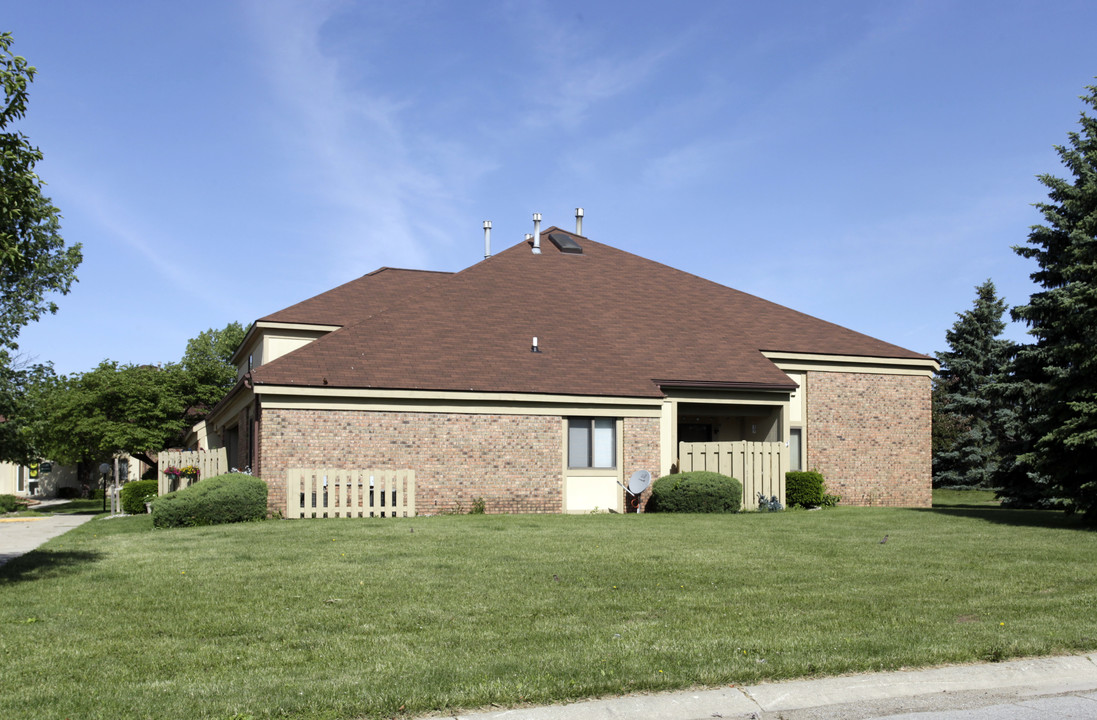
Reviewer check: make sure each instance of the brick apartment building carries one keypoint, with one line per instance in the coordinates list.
(541, 377)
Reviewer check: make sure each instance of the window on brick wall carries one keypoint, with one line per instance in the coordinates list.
(796, 449)
(592, 442)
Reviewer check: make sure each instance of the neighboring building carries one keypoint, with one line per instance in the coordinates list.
(48, 479)
(43, 480)
(538, 380)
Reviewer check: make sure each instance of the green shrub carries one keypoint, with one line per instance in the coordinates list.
(807, 489)
(234, 497)
(696, 492)
(68, 492)
(134, 495)
(11, 503)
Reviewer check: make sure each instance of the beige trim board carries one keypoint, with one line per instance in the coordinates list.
(592, 489)
(467, 407)
(454, 395)
(733, 397)
(253, 336)
(852, 364)
(228, 413)
(296, 326)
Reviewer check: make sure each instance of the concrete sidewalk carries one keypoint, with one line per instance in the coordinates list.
(1036, 689)
(20, 535)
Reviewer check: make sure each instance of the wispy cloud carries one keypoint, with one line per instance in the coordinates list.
(120, 224)
(389, 187)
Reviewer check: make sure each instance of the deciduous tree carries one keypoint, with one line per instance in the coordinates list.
(207, 366)
(34, 261)
(137, 409)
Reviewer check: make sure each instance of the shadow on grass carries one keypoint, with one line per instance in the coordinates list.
(73, 507)
(972, 506)
(1008, 516)
(39, 564)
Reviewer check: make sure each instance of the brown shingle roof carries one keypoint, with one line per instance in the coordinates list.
(608, 322)
(358, 299)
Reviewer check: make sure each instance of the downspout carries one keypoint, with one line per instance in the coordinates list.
(255, 439)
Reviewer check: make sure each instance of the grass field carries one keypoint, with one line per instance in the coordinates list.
(943, 498)
(381, 618)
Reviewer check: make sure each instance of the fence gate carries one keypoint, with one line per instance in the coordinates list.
(760, 466)
(316, 493)
(209, 463)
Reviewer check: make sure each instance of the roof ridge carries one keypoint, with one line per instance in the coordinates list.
(383, 268)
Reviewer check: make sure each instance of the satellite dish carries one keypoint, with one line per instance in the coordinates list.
(639, 482)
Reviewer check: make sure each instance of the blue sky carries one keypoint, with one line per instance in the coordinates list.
(869, 163)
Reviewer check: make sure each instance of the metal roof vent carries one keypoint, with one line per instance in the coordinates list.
(565, 243)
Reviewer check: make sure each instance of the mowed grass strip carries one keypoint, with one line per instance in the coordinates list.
(387, 617)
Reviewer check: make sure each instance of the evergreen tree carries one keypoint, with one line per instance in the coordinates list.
(1016, 399)
(1059, 370)
(975, 359)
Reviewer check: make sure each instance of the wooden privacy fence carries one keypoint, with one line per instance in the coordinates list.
(349, 493)
(760, 466)
(209, 463)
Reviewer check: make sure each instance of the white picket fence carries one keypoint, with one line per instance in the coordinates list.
(760, 466)
(317, 493)
(209, 463)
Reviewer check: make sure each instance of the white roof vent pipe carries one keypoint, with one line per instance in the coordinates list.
(536, 233)
(487, 239)
(578, 221)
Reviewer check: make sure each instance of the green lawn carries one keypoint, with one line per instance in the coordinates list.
(382, 617)
(73, 507)
(943, 498)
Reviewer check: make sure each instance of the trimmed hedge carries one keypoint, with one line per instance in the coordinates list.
(804, 488)
(11, 503)
(134, 495)
(234, 497)
(807, 489)
(696, 492)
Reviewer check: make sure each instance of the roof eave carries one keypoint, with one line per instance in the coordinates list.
(726, 385)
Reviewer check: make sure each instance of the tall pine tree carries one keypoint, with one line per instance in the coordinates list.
(1059, 369)
(974, 361)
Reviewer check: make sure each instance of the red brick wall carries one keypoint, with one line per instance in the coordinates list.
(512, 461)
(641, 450)
(870, 437)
